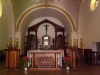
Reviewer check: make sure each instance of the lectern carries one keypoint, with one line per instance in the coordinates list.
(12, 58)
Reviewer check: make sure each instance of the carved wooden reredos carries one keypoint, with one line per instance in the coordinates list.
(34, 28)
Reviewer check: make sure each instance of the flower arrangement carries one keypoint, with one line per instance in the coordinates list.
(25, 61)
(67, 61)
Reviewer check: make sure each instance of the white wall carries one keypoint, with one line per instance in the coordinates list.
(3, 27)
(6, 24)
(94, 47)
(91, 22)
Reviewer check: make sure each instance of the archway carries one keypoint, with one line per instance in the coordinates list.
(31, 14)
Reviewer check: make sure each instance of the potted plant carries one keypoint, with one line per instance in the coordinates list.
(25, 61)
(67, 62)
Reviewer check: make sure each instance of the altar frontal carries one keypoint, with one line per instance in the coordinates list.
(45, 58)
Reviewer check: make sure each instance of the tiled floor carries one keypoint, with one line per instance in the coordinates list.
(83, 70)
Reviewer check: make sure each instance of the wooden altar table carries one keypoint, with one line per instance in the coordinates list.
(45, 58)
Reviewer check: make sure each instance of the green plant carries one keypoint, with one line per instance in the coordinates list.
(67, 61)
(25, 61)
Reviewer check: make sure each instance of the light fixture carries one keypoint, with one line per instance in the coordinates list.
(45, 1)
(96, 3)
(0, 8)
(93, 4)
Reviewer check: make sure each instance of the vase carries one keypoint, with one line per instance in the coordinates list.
(25, 68)
(67, 68)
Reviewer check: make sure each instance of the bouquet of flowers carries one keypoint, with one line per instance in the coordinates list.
(25, 61)
(67, 61)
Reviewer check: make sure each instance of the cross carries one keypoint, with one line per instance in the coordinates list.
(46, 3)
(46, 27)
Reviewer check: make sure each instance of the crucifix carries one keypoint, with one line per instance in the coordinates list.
(46, 28)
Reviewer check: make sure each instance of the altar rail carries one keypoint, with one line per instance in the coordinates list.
(93, 58)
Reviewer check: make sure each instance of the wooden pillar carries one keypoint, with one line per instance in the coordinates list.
(36, 40)
(28, 40)
(28, 33)
(26, 45)
(56, 60)
(63, 33)
(55, 38)
(73, 59)
(64, 46)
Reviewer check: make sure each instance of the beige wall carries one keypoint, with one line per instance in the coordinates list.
(3, 28)
(90, 20)
(6, 24)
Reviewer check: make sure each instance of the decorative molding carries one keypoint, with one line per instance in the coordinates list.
(45, 61)
(10, 41)
(24, 14)
(45, 0)
(17, 42)
(81, 43)
(13, 12)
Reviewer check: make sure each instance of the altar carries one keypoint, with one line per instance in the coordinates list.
(45, 58)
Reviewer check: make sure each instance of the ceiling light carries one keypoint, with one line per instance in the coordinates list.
(45, 1)
(93, 4)
(0, 8)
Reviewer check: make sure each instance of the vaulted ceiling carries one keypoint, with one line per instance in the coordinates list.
(65, 11)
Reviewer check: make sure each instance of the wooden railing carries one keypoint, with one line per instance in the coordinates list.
(91, 57)
(95, 58)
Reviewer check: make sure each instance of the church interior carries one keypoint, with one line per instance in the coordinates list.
(50, 34)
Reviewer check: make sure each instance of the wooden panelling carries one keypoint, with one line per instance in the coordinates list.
(12, 59)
